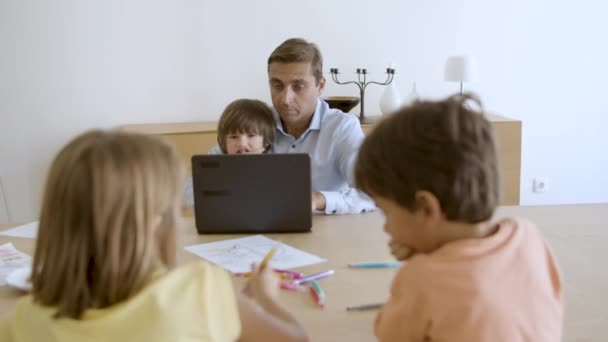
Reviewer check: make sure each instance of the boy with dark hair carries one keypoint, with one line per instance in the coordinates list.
(432, 169)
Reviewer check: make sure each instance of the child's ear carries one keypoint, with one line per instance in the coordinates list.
(428, 205)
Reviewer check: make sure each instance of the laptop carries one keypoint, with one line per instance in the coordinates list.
(252, 193)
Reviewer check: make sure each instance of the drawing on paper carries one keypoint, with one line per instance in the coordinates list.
(237, 255)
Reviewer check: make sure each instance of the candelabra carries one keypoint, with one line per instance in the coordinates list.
(362, 83)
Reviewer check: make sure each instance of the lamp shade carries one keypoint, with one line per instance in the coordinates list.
(461, 69)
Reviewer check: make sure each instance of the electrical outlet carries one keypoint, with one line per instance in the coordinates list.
(540, 185)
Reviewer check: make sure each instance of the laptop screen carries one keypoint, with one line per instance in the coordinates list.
(252, 193)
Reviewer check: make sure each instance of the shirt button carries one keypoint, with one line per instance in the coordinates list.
(293, 146)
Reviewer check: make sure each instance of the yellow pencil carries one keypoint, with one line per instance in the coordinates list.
(285, 277)
(267, 258)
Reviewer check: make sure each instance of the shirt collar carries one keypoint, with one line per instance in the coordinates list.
(315, 123)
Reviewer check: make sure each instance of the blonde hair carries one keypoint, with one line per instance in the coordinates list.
(108, 220)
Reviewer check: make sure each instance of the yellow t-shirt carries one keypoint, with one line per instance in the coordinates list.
(194, 302)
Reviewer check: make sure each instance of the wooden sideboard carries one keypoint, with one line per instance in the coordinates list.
(192, 138)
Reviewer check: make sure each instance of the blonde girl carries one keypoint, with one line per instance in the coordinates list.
(104, 265)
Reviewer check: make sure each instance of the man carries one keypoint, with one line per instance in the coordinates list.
(306, 124)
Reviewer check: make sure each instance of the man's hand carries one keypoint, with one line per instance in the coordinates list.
(399, 251)
(318, 201)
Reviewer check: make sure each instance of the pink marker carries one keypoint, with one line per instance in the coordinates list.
(319, 297)
(293, 274)
(291, 287)
(312, 277)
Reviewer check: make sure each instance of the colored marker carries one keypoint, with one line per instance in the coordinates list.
(364, 307)
(317, 293)
(291, 287)
(312, 277)
(293, 274)
(387, 264)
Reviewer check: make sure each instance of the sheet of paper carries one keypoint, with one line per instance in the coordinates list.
(29, 231)
(10, 260)
(237, 255)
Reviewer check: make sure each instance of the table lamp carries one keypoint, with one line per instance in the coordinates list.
(461, 69)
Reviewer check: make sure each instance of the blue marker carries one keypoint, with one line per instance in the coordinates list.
(387, 264)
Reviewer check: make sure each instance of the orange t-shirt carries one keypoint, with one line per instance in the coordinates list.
(505, 287)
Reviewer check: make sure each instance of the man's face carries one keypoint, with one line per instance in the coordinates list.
(294, 91)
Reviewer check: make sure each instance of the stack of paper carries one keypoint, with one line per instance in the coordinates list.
(10, 260)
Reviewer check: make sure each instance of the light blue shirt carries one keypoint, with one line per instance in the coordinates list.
(332, 141)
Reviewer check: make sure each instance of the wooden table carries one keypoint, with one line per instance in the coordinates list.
(340, 240)
(577, 233)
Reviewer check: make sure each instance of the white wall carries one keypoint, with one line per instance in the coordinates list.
(66, 66)
(4, 214)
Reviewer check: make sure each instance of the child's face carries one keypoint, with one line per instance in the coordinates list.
(238, 143)
(411, 229)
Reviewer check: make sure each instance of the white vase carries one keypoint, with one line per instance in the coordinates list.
(390, 100)
(412, 96)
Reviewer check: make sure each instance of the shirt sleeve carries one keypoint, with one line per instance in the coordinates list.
(218, 296)
(404, 317)
(189, 193)
(215, 150)
(350, 200)
(5, 329)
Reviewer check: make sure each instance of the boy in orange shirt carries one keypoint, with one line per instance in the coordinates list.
(432, 169)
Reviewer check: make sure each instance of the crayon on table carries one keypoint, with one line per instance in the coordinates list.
(365, 307)
(386, 264)
(283, 276)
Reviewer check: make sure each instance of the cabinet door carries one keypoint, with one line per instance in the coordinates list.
(189, 144)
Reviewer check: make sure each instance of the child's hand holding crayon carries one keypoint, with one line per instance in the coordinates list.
(263, 284)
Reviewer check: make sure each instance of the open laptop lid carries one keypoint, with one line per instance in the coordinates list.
(252, 193)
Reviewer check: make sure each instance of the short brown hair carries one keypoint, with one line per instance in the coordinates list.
(443, 147)
(246, 115)
(297, 50)
(99, 240)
